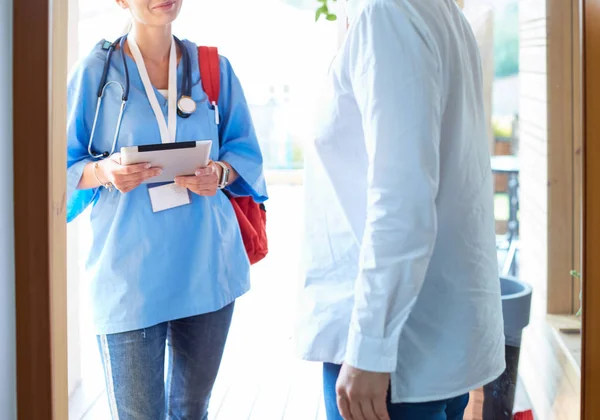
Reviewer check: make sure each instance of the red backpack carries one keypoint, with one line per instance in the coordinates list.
(251, 216)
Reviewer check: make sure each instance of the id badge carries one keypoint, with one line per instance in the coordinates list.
(168, 196)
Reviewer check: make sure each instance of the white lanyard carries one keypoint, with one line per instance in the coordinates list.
(167, 133)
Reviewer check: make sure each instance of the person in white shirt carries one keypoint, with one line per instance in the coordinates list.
(401, 298)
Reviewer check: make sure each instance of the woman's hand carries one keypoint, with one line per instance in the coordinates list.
(204, 182)
(125, 178)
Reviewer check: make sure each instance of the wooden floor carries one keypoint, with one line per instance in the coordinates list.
(260, 379)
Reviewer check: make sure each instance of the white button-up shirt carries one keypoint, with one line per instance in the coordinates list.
(401, 266)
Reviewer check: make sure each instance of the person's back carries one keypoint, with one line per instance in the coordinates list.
(402, 273)
(461, 287)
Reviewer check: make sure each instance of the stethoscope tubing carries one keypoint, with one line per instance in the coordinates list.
(186, 86)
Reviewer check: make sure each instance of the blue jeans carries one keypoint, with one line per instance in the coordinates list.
(134, 367)
(452, 409)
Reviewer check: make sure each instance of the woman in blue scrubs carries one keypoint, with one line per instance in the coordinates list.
(169, 277)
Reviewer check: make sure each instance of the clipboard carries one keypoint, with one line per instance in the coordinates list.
(175, 159)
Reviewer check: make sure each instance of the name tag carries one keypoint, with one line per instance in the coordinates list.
(168, 196)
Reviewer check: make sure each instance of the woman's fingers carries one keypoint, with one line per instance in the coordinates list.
(151, 173)
(134, 169)
(185, 181)
(198, 181)
(128, 182)
(205, 185)
(139, 176)
(209, 170)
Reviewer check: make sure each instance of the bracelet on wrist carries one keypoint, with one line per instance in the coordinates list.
(224, 175)
(107, 185)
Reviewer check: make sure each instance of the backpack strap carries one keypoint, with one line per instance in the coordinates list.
(210, 74)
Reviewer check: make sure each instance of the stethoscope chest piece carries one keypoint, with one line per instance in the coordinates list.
(186, 106)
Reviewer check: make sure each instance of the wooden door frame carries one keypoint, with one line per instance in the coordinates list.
(40, 33)
(39, 156)
(563, 155)
(590, 372)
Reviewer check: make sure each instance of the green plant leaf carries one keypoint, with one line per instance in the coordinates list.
(321, 11)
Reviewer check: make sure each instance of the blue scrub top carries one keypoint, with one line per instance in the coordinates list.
(146, 268)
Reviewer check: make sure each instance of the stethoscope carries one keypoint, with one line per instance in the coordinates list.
(186, 106)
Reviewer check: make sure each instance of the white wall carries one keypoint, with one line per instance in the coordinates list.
(7, 274)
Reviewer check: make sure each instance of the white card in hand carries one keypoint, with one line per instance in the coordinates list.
(168, 196)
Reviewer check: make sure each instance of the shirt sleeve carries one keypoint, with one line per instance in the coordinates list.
(395, 78)
(239, 144)
(80, 103)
